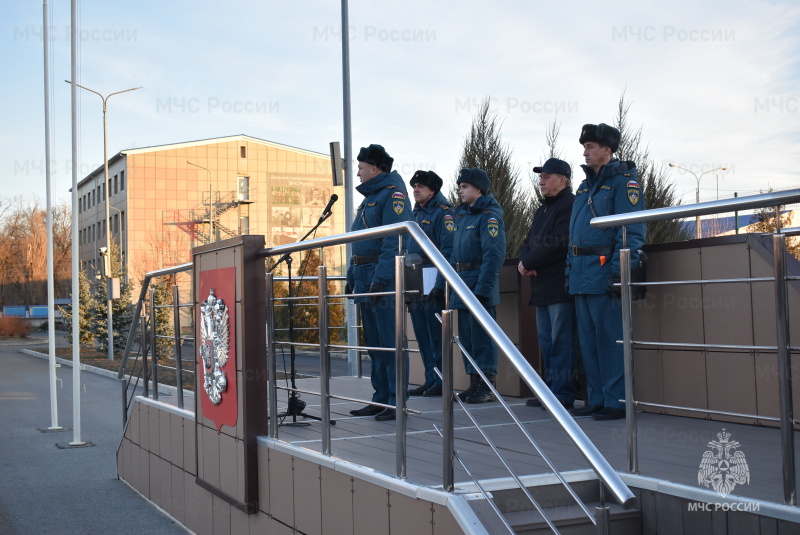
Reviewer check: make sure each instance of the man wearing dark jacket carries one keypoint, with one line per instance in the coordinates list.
(479, 249)
(593, 267)
(371, 269)
(544, 257)
(434, 214)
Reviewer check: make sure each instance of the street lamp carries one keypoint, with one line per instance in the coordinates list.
(698, 232)
(108, 223)
(210, 205)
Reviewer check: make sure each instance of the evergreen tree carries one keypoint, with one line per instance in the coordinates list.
(483, 148)
(121, 308)
(87, 309)
(658, 191)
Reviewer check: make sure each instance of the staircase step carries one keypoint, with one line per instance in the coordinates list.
(571, 520)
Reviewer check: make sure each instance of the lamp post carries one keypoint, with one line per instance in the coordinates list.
(108, 223)
(698, 231)
(210, 203)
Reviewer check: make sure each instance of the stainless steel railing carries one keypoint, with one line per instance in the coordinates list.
(619, 491)
(783, 347)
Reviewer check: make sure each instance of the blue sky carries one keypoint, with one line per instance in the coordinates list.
(712, 84)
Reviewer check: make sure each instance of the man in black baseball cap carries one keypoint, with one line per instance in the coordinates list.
(543, 257)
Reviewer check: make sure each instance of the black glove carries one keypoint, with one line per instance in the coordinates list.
(611, 290)
(348, 289)
(436, 294)
(566, 285)
(374, 288)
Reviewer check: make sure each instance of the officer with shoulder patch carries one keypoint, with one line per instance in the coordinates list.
(479, 250)
(371, 269)
(593, 267)
(434, 214)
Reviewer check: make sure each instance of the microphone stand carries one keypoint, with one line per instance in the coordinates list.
(295, 404)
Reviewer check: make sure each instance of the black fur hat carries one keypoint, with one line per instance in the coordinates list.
(427, 178)
(605, 135)
(376, 155)
(476, 177)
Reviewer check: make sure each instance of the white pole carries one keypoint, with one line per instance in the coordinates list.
(51, 323)
(76, 310)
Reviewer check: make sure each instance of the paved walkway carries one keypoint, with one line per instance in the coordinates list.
(48, 490)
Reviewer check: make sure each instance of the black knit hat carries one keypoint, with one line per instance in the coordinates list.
(476, 177)
(605, 135)
(377, 156)
(427, 178)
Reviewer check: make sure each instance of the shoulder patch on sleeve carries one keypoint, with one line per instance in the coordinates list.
(398, 202)
(449, 223)
(493, 226)
(632, 184)
(633, 196)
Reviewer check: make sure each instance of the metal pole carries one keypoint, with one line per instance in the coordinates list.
(448, 448)
(176, 325)
(76, 305)
(736, 215)
(110, 303)
(324, 360)
(271, 366)
(784, 370)
(51, 323)
(400, 363)
(627, 344)
(353, 355)
(153, 342)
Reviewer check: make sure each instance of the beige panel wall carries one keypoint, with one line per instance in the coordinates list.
(295, 494)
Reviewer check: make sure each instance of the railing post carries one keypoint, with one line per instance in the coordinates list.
(400, 364)
(448, 448)
(324, 360)
(784, 369)
(271, 366)
(176, 326)
(627, 345)
(153, 341)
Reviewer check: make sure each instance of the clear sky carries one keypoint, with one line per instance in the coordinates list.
(712, 84)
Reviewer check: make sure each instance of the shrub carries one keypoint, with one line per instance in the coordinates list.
(14, 327)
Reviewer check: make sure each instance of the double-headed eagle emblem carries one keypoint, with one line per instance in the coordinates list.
(721, 468)
(214, 345)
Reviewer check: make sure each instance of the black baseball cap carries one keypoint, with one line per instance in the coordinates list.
(555, 166)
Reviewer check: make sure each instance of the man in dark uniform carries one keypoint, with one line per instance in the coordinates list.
(593, 267)
(479, 249)
(371, 269)
(434, 214)
(544, 257)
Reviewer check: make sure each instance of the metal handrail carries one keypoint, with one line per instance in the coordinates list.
(621, 493)
(780, 279)
(704, 208)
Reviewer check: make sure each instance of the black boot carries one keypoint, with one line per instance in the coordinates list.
(474, 382)
(483, 394)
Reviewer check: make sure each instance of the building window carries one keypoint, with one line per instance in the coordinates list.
(122, 221)
(244, 224)
(103, 196)
(115, 184)
(244, 188)
(121, 180)
(243, 151)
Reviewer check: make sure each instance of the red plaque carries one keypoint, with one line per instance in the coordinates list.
(216, 352)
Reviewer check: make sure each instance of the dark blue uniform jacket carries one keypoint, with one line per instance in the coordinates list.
(437, 221)
(479, 240)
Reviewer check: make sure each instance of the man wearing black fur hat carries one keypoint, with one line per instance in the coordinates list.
(593, 267)
(479, 250)
(434, 214)
(371, 269)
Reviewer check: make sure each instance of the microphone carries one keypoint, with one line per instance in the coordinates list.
(327, 209)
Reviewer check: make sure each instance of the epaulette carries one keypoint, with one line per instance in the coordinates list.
(445, 207)
(391, 186)
(487, 212)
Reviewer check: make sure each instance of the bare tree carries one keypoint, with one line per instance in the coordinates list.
(657, 189)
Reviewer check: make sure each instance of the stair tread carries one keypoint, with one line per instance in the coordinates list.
(565, 513)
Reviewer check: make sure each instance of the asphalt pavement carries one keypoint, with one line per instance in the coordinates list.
(47, 489)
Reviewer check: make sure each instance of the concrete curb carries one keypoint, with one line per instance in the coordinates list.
(162, 389)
